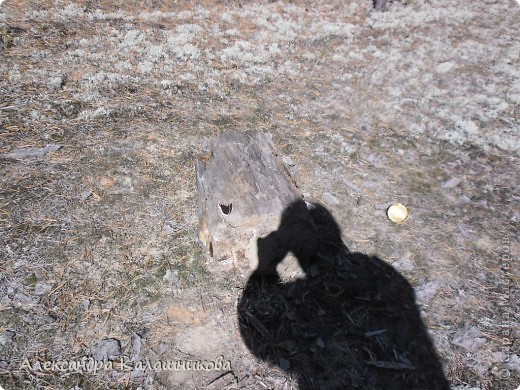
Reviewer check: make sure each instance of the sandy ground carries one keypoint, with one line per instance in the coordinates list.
(104, 107)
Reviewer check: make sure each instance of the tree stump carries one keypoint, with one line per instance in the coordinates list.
(243, 188)
(380, 5)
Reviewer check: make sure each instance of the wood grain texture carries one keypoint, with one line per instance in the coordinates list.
(243, 188)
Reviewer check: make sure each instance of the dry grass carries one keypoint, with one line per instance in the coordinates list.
(97, 238)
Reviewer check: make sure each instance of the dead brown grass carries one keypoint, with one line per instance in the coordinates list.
(98, 237)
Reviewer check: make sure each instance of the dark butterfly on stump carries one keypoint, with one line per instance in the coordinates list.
(226, 209)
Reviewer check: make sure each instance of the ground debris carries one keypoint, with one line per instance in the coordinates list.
(107, 349)
(390, 365)
(30, 154)
(469, 338)
(418, 104)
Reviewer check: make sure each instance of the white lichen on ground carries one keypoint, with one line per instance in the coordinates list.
(418, 105)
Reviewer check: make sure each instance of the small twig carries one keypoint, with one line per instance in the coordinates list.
(375, 333)
(57, 288)
(261, 382)
(222, 376)
(390, 365)
(258, 325)
(202, 301)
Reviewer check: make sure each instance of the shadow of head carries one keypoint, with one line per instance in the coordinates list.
(306, 230)
(352, 322)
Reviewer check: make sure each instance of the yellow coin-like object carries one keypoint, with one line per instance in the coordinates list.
(397, 213)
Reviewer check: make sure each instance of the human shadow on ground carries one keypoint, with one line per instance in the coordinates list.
(351, 323)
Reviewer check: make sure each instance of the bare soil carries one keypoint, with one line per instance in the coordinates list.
(105, 106)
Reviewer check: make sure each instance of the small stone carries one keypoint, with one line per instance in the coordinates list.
(85, 304)
(168, 228)
(6, 337)
(85, 195)
(42, 288)
(22, 298)
(56, 82)
(484, 203)
(464, 199)
(376, 160)
(452, 183)
(330, 199)
(362, 201)
(371, 185)
(9, 250)
(485, 244)
(445, 67)
(464, 230)
(404, 265)
(513, 363)
(44, 320)
(469, 338)
(171, 277)
(136, 374)
(107, 349)
(350, 185)
(426, 292)
(288, 161)
(284, 364)
(137, 343)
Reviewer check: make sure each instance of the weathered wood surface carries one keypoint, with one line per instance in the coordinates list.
(243, 188)
(380, 5)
